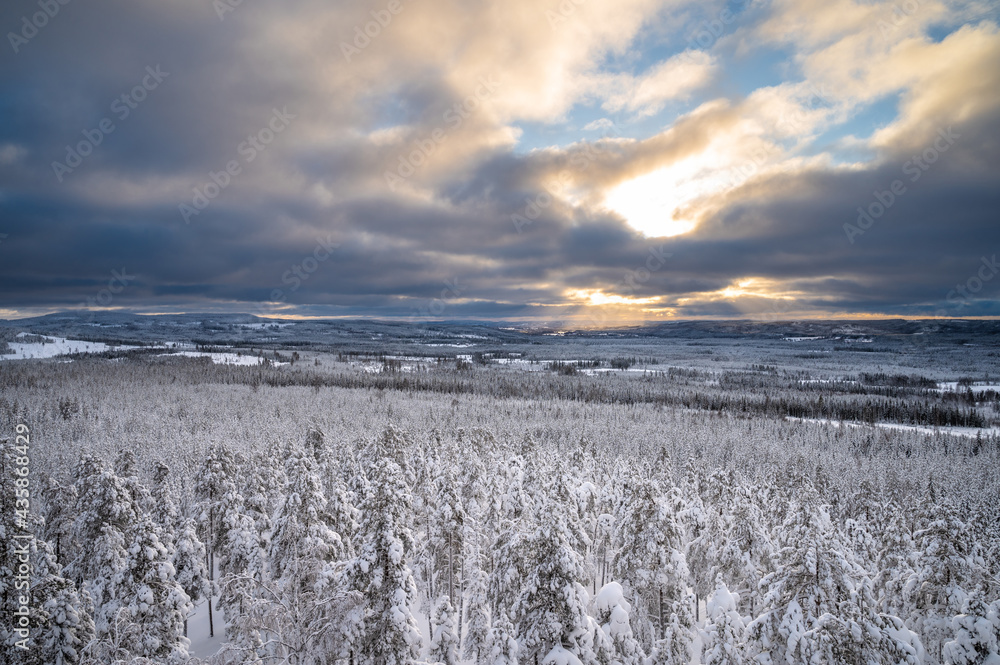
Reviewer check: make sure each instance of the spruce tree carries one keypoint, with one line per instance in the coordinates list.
(946, 568)
(381, 573)
(444, 639)
(724, 634)
(818, 605)
(976, 634)
(552, 608)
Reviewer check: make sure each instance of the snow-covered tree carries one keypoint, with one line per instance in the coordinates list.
(106, 510)
(189, 564)
(946, 567)
(446, 533)
(444, 639)
(46, 619)
(818, 605)
(215, 490)
(552, 608)
(612, 614)
(724, 634)
(296, 609)
(475, 640)
(503, 642)
(302, 541)
(152, 606)
(162, 505)
(976, 634)
(69, 627)
(381, 573)
(893, 561)
(58, 513)
(742, 555)
(651, 564)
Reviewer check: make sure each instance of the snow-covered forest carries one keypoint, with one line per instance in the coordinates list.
(546, 517)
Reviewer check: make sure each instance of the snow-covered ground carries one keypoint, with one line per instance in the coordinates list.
(202, 645)
(54, 346)
(952, 386)
(970, 432)
(223, 358)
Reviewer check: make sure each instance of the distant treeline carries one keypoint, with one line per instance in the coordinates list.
(738, 393)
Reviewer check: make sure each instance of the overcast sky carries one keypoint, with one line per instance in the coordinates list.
(587, 161)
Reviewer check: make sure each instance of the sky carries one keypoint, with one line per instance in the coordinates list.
(576, 162)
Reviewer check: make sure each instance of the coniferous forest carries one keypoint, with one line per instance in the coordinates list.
(493, 507)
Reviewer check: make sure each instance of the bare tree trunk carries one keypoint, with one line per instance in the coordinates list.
(211, 591)
(451, 569)
(661, 613)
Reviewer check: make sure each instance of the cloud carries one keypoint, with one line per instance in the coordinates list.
(455, 99)
(672, 79)
(600, 123)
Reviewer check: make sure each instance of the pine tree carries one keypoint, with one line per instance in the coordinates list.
(651, 565)
(818, 605)
(446, 534)
(105, 511)
(297, 609)
(215, 490)
(243, 568)
(977, 634)
(504, 648)
(152, 605)
(59, 501)
(188, 558)
(724, 634)
(612, 614)
(381, 573)
(475, 641)
(946, 567)
(893, 561)
(444, 640)
(743, 556)
(107, 517)
(162, 506)
(552, 608)
(46, 619)
(302, 540)
(69, 627)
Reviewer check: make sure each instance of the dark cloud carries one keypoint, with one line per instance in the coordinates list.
(311, 225)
